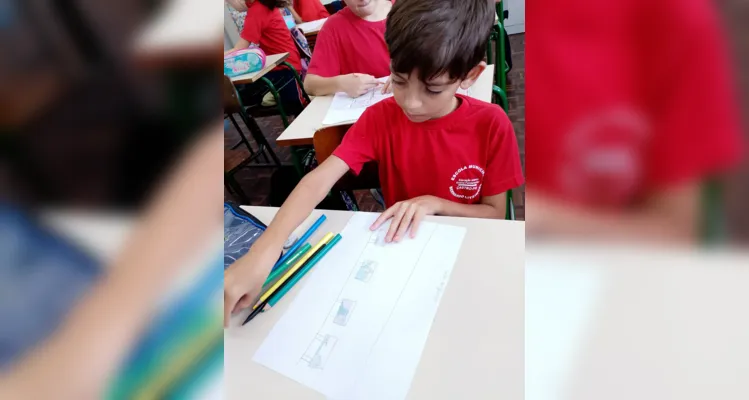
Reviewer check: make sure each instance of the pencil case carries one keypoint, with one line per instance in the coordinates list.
(244, 61)
(241, 230)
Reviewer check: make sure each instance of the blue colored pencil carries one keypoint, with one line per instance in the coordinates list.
(301, 241)
(308, 266)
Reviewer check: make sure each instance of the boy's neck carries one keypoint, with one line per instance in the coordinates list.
(383, 8)
(453, 106)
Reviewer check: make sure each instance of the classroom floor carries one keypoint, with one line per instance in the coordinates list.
(256, 182)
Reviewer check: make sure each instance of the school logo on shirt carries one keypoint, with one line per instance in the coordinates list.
(466, 182)
(603, 157)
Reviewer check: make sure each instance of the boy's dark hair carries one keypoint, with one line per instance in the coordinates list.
(438, 36)
(273, 4)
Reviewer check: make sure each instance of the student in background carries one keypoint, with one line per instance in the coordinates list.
(265, 27)
(643, 120)
(308, 10)
(350, 51)
(438, 153)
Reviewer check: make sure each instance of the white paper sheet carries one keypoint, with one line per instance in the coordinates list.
(345, 109)
(357, 329)
(311, 26)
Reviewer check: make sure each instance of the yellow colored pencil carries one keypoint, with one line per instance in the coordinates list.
(293, 269)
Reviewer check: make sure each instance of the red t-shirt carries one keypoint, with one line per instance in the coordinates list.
(348, 44)
(463, 156)
(310, 10)
(266, 28)
(627, 98)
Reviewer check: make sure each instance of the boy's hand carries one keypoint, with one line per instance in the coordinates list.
(356, 85)
(407, 213)
(388, 87)
(244, 280)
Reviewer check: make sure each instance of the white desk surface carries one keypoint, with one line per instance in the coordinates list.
(632, 323)
(271, 61)
(304, 126)
(475, 347)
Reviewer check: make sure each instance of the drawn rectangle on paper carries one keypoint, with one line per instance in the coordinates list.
(342, 311)
(366, 270)
(319, 350)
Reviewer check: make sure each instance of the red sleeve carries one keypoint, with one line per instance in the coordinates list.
(253, 26)
(503, 169)
(359, 145)
(325, 61)
(696, 128)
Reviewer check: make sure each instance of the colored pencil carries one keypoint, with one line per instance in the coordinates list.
(308, 266)
(286, 264)
(311, 230)
(264, 298)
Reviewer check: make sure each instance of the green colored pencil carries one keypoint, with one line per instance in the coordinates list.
(308, 266)
(290, 261)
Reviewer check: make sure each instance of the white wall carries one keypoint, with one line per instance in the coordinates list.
(231, 34)
(516, 22)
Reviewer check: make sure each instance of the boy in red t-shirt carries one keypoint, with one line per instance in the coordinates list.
(308, 10)
(438, 153)
(265, 27)
(624, 124)
(350, 50)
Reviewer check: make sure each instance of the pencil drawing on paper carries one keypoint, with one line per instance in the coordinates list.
(365, 270)
(377, 237)
(318, 352)
(342, 310)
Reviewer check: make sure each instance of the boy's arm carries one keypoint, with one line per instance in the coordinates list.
(244, 279)
(354, 85)
(241, 44)
(294, 14)
(671, 215)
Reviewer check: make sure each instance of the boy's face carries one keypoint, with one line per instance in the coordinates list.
(362, 8)
(422, 101)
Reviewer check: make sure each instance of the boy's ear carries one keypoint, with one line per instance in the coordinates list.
(473, 74)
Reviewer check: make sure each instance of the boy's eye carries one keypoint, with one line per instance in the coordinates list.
(434, 92)
(398, 83)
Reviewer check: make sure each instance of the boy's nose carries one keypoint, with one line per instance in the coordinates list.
(412, 103)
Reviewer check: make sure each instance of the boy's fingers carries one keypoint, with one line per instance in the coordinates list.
(228, 306)
(415, 224)
(383, 217)
(407, 217)
(395, 223)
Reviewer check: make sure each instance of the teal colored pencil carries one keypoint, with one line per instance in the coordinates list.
(290, 261)
(311, 263)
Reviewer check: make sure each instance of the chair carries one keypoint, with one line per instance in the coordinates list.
(259, 110)
(236, 159)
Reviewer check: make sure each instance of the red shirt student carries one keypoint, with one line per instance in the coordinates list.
(626, 118)
(310, 10)
(266, 27)
(412, 159)
(350, 50)
(438, 153)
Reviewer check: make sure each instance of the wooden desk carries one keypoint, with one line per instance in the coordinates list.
(311, 28)
(475, 346)
(271, 61)
(301, 131)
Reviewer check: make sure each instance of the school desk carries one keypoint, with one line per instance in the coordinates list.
(617, 322)
(311, 28)
(474, 349)
(301, 131)
(271, 61)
